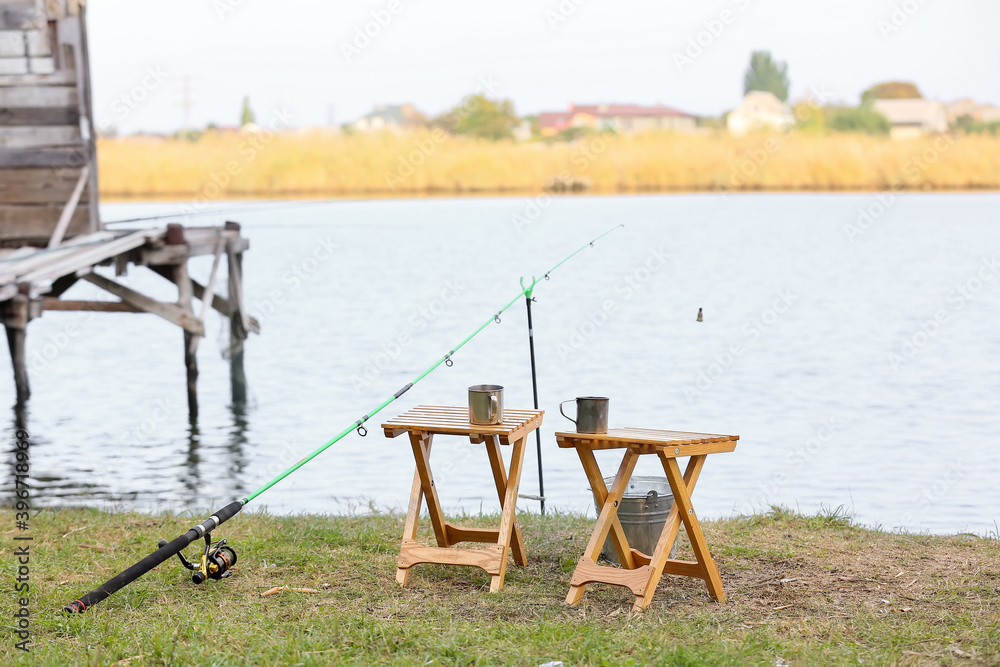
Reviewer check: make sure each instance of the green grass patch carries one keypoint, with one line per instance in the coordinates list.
(802, 590)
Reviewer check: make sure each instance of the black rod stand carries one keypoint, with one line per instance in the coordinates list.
(534, 389)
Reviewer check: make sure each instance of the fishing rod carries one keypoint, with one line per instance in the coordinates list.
(217, 559)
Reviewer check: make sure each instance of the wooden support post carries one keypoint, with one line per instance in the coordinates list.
(16, 323)
(238, 325)
(184, 296)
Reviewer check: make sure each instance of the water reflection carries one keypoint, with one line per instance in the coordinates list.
(238, 440)
(190, 475)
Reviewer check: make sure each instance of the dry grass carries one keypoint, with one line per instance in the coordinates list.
(802, 591)
(321, 163)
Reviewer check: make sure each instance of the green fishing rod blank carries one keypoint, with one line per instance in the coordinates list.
(162, 554)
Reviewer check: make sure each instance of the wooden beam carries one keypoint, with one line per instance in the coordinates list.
(210, 290)
(52, 303)
(69, 209)
(184, 295)
(219, 303)
(39, 116)
(38, 186)
(240, 319)
(168, 311)
(16, 323)
(33, 223)
(38, 96)
(90, 256)
(39, 136)
(71, 157)
(174, 254)
(57, 78)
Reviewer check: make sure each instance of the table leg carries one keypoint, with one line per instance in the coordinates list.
(500, 477)
(593, 472)
(421, 453)
(508, 515)
(668, 536)
(682, 501)
(609, 512)
(410, 529)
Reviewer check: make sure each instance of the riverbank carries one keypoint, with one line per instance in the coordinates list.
(802, 590)
(322, 163)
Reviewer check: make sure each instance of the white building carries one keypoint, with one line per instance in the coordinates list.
(759, 110)
(913, 117)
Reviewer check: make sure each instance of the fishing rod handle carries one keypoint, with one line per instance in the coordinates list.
(162, 554)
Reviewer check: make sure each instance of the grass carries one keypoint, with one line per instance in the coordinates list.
(322, 163)
(802, 590)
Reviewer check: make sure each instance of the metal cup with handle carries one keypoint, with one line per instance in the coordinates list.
(591, 414)
(486, 404)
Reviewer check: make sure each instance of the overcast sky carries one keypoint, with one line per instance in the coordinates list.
(306, 57)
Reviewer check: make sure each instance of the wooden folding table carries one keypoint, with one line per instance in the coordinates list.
(421, 424)
(641, 572)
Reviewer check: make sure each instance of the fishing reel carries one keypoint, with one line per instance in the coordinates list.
(216, 561)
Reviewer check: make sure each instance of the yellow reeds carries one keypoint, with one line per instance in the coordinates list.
(325, 163)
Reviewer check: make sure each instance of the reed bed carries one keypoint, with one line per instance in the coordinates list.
(327, 163)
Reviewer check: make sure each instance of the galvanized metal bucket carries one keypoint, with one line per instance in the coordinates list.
(643, 512)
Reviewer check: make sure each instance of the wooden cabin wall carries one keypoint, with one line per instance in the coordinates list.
(46, 126)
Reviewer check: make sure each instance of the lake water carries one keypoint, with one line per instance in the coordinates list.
(858, 361)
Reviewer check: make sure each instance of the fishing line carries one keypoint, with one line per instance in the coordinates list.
(282, 204)
(204, 529)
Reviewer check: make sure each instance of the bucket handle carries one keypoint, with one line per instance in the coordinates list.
(566, 415)
(651, 498)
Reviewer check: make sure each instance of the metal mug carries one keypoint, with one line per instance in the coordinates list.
(486, 404)
(591, 414)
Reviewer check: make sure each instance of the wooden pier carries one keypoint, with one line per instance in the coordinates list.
(51, 234)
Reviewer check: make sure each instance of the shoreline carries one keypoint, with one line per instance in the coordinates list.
(311, 195)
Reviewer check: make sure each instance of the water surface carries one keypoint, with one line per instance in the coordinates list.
(858, 362)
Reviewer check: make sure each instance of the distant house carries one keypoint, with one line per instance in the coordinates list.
(389, 117)
(913, 117)
(760, 110)
(624, 118)
(981, 113)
